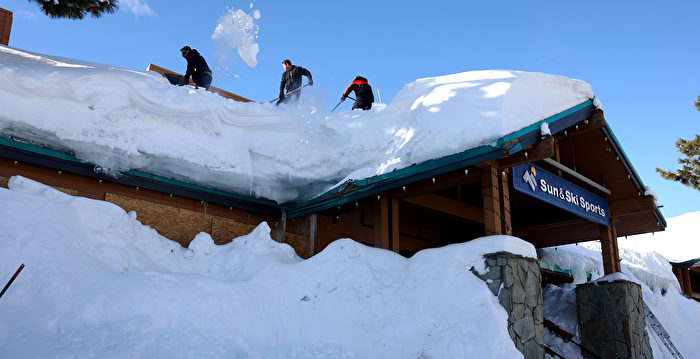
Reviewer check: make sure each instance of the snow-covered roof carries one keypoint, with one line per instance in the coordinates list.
(120, 119)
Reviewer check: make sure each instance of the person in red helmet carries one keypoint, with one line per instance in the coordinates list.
(364, 97)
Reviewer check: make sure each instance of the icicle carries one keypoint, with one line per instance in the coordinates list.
(282, 229)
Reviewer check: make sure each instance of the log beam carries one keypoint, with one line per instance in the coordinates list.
(538, 151)
(447, 206)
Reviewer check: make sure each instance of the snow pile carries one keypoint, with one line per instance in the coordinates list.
(97, 283)
(122, 119)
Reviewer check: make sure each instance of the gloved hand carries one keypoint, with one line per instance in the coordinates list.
(311, 82)
(342, 99)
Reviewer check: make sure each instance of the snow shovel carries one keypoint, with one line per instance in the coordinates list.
(295, 90)
(341, 101)
(12, 280)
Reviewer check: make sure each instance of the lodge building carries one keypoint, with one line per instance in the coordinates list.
(565, 179)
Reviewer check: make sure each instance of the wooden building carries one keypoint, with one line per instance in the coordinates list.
(688, 275)
(446, 200)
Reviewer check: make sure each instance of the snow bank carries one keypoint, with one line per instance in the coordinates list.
(652, 271)
(122, 119)
(97, 283)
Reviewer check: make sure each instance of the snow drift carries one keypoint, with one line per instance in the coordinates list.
(97, 283)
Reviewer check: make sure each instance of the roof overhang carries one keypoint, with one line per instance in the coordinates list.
(33, 153)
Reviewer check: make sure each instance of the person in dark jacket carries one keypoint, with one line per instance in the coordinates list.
(364, 97)
(291, 80)
(196, 67)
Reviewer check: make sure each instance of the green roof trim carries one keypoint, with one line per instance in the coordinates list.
(356, 189)
(38, 150)
(536, 126)
(628, 164)
(686, 264)
(134, 173)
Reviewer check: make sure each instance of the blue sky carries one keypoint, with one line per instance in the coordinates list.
(641, 57)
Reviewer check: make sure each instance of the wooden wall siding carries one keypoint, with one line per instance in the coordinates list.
(177, 224)
(5, 26)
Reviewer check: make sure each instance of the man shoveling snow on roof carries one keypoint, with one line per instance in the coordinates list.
(196, 67)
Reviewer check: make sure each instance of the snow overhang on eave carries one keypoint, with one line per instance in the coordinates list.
(506, 145)
(49, 158)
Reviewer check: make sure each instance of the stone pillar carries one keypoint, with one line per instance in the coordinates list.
(611, 320)
(516, 281)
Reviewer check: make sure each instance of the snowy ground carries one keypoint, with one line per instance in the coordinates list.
(122, 119)
(99, 284)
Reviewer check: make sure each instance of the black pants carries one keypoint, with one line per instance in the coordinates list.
(364, 106)
(203, 80)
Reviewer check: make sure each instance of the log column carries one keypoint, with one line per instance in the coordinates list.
(608, 244)
(381, 222)
(490, 191)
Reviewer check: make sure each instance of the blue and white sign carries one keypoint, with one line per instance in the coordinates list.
(546, 186)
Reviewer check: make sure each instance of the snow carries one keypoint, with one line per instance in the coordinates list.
(121, 119)
(97, 283)
(237, 30)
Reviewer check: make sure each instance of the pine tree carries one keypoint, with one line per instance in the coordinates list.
(76, 9)
(689, 174)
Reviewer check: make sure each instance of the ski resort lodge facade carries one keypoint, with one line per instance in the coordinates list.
(565, 179)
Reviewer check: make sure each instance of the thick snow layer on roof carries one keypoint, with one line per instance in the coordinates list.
(121, 119)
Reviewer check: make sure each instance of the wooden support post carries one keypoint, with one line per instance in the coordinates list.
(395, 225)
(687, 287)
(679, 276)
(491, 196)
(608, 244)
(507, 225)
(381, 223)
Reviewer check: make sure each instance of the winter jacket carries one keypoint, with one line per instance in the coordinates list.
(364, 97)
(291, 79)
(197, 68)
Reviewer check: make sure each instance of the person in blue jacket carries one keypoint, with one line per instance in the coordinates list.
(196, 67)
